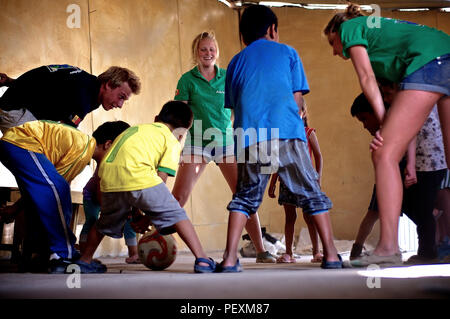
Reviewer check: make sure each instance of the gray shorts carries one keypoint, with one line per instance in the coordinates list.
(292, 161)
(14, 118)
(156, 202)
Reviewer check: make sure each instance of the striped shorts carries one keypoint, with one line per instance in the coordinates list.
(290, 158)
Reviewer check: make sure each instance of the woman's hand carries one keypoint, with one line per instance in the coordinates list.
(377, 142)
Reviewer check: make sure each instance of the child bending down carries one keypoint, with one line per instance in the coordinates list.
(105, 137)
(132, 179)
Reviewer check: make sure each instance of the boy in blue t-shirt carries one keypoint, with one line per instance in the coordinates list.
(264, 86)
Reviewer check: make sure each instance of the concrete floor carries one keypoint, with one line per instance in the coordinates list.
(302, 280)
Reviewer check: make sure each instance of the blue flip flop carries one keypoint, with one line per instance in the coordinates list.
(331, 264)
(204, 269)
(236, 268)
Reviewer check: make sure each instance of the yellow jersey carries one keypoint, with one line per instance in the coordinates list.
(67, 148)
(137, 155)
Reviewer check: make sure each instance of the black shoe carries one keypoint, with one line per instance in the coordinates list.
(58, 266)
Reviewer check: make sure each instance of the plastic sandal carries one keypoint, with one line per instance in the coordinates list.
(229, 269)
(204, 269)
(332, 264)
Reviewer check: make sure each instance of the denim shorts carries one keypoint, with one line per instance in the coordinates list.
(294, 167)
(433, 76)
(210, 153)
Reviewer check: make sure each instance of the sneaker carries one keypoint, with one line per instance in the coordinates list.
(91, 268)
(370, 259)
(58, 266)
(265, 258)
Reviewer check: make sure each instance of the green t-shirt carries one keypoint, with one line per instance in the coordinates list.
(206, 100)
(396, 48)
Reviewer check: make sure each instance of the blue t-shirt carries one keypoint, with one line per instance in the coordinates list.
(260, 85)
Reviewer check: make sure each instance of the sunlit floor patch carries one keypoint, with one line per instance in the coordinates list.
(407, 272)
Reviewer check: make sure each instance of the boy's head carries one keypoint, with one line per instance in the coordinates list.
(256, 22)
(388, 90)
(105, 135)
(177, 114)
(362, 110)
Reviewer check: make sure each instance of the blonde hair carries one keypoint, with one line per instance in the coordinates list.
(196, 43)
(117, 75)
(353, 11)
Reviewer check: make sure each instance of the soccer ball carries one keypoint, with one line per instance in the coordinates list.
(157, 251)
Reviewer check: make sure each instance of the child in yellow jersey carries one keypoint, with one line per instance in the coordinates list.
(44, 157)
(132, 179)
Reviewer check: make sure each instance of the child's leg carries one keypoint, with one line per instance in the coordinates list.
(94, 239)
(228, 168)
(91, 212)
(405, 118)
(236, 223)
(314, 235)
(366, 227)
(187, 233)
(131, 242)
(323, 225)
(289, 226)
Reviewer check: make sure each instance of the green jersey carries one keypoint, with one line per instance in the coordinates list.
(396, 48)
(212, 121)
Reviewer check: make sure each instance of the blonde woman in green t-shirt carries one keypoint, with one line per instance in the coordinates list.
(211, 136)
(418, 58)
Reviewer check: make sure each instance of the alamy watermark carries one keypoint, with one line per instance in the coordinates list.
(74, 19)
(374, 20)
(74, 279)
(373, 281)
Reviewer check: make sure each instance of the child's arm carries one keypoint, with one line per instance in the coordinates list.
(318, 159)
(163, 176)
(272, 185)
(410, 169)
(298, 97)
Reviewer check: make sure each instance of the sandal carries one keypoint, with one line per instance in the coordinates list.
(286, 259)
(332, 264)
(204, 269)
(236, 268)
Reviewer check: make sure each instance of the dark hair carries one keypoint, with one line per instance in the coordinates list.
(108, 131)
(353, 11)
(255, 21)
(176, 113)
(360, 105)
